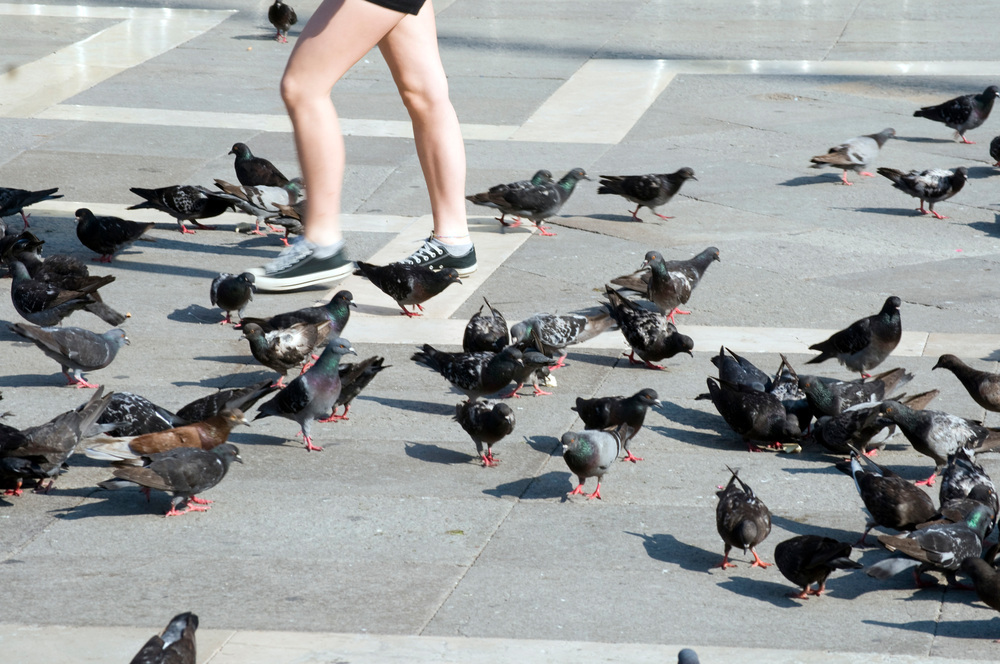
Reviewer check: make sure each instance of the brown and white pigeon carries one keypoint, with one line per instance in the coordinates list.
(668, 284)
(930, 186)
(855, 155)
(962, 113)
(652, 190)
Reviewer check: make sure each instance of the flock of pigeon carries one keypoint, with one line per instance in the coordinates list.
(186, 453)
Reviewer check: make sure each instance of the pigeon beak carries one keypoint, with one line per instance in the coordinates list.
(352, 351)
(243, 420)
(693, 178)
(351, 303)
(127, 342)
(657, 402)
(689, 353)
(238, 458)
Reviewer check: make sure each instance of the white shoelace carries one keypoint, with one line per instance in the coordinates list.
(295, 252)
(427, 252)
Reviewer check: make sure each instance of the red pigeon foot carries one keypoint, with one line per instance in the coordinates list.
(866, 174)
(677, 312)
(186, 231)
(577, 491)
(928, 482)
(488, 462)
(725, 563)
(410, 314)
(540, 392)
(757, 562)
(513, 393)
(804, 594)
(201, 501)
(25, 218)
(542, 230)
(631, 457)
(662, 216)
(596, 494)
(225, 321)
(310, 447)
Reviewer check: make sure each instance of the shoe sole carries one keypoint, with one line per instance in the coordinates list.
(267, 284)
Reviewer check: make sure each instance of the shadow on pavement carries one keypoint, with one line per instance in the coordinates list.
(554, 484)
(416, 406)
(802, 180)
(771, 592)
(438, 454)
(668, 549)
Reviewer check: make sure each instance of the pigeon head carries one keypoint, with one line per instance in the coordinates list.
(252, 330)
(652, 258)
(891, 408)
(504, 411)
(117, 337)
(234, 416)
(711, 252)
(982, 493)
(247, 278)
(541, 177)
(893, 303)
(569, 441)
(648, 397)
(242, 151)
(884, 135)
(568, 181)
(685, 174)
(688, 656)
(345, 297)
(992, 91)
(175, 630)
(520, 331)
(340, 346)
(228, 453)
(448, 275)
(83, 213)
(947, 361)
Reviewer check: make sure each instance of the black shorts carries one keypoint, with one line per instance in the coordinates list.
(405, 6)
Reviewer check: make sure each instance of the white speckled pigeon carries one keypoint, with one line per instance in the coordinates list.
(930, 186)
(651, 336)
(962, 113)
(183, 203)
(176, 645)
(652, 190)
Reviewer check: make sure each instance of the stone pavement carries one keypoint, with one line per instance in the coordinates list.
(394, 544)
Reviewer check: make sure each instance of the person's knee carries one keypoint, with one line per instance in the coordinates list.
(425, 96)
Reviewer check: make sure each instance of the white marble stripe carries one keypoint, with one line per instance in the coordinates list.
(250, 121)
(30, 88)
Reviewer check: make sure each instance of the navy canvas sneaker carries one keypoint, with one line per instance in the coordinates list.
(298, 267)
(436, 257)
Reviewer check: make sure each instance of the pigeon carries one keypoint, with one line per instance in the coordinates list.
(232, 292)
(206, 435)
(742, 520)
(536, 367)
(284, 349)
(891, 501)
(741, 371)
(985, 580)
(932, 185)
(995, 150)
(176, 645)
(809, 559)
(13, 201)
(551, 333)
(486, 333)
(43, 303)
(540, 202)
(937, 434)
(961, 476)
(854, 155)
(649, 334)
(129, 414)
(14, 472)
(49, 445)
(982, 386)
(756, 416)
(408, 284)
(264, 203)
(236, 397)
(107, 235)
(650, 191)
(860, 427)
(962, 113)
(687, 656)
(668, 284)
(827, 396)
(941, 546)
(591, 454)
(184, 472)
(506, 197)
(612, 412)
(68, 273)
(75, 348)
(337, 311)
(475, 374)
(355, 377)
(281, 17)
(183, 203)
(485, 423)
(866, 342)
(254, 171)
(312, 395)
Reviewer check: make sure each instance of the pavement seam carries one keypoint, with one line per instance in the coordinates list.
(221, 646)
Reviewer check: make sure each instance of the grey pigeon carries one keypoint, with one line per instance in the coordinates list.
(940, 546)
(337, 311)
(355, 377)
(741, 371)
(75, 348)
(855, 155)
(129, 414)
(182, 471)
(931, 186)
(742, 520)
(485, 423)
(960, 478)
(486, 333)
(68, 273)
(506, 197)
(286, 348)
(232, 292)
(809, 559)
(281, 17)
(264, 202)
(183, 203)
(891, 501)
(13, 201)
(551, 333)
(475, 374)
(668, 284)
(535, 367)
(612, 412)
(408, 284)
(176, 645)
(962, 113)
(649, 334)
(538, 203)
(982, 386)
(860, 427)
(827, 396)
(866, 343)
(590, 454)
(254, 171)
(312, 395)
(938, 434)
(758, 417)
(687, 656)
(650, 191)
(107, 235)
(44, 303)
(995, 150)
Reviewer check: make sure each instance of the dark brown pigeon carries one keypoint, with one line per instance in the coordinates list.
(962, 113)
(650, 191)
(742, 520)
(982, 386)
(612, 412)
(892, 501)
(107, 235)
(408, 284)
(486, 333)
(281, 17)
(354, 377)
(48, 304)
(809, 559)
(254, 171)
(176, 645)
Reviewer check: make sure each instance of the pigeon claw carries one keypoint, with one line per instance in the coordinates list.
(928, 482)
(542, 230)
(310, 447)
(757, 562)
(540, 392)
(488, 461)
(577, 491)
(662, 216)
(725, 563)
(186, 231)
(676, 312)
(410, 314)
(631, 457)
(596, 494)
(200, 501)
(805, 591)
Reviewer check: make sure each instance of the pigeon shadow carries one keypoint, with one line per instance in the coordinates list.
(115, 503)
(595, 359)
(803, 180)
(694, 417)
(33, 380)
(268, 35)
(416, 406)
(438, 454)
(894, 212)
(803, 527)
(545, 444)
(226, 359)
(989, 228)
(764, 591)
(668, 549)
(955, 629)
(626, 218)
(923, 139)
(553, 484)
(992, 357)
(195, 313)
(715, 441)
(982, 172)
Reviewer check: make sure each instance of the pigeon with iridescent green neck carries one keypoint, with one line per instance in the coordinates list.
(544, 201)
(506, 197)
